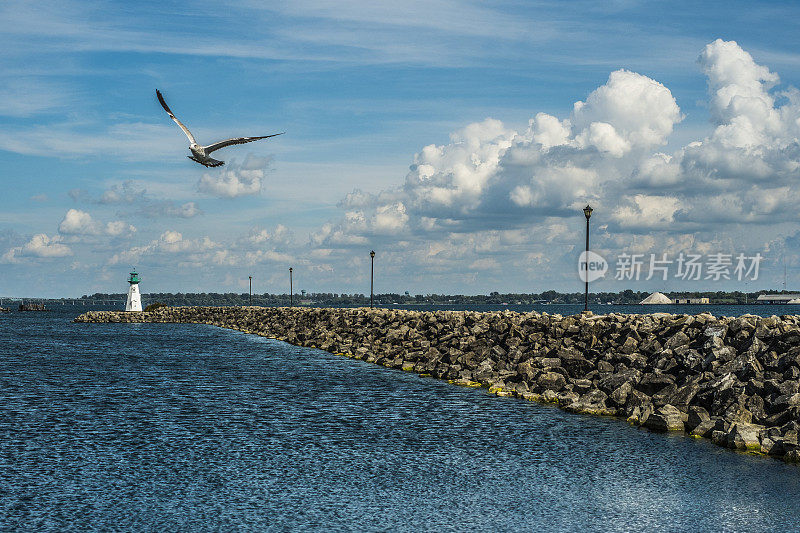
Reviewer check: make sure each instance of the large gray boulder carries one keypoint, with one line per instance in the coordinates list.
(695, 416)
(651, 383)
(704, 429)
(744, 436)
(666, 418)
(552, 381)
(612, 382)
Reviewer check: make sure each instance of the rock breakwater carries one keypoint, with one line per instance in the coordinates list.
(735, 381)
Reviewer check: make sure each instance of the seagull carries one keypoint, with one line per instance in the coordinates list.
(200, 153)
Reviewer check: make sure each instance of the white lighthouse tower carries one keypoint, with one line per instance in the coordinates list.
(134, 302)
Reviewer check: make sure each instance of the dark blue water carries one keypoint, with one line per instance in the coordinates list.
(192, 428)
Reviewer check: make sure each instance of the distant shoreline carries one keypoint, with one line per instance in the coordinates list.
(329, 299)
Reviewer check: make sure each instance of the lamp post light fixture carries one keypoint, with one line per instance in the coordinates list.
(291, 292)
(251, 289)
(587, 211)
(371, 276)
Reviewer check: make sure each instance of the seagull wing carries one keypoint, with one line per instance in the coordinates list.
(178, 122)
(238, 140)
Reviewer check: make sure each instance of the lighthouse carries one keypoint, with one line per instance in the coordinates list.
(134, 302)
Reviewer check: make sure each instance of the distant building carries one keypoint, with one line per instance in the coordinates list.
(656, 298)
(692, 301)
(778, 298)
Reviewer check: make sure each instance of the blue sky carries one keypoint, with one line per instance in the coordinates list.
(97, 179)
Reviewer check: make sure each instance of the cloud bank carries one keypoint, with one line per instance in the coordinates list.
(496, 199)
(493, 191)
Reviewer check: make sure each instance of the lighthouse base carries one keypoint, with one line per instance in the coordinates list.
(134, 302)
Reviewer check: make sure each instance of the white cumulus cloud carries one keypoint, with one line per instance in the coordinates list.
(40, 245)
(491, 178)
(234, 180)
(77, 222)
(640, 111)
(169, 243)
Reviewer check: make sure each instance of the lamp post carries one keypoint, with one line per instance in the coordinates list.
(587, 211)
(251, 289)
(291, 294)
(371, 276)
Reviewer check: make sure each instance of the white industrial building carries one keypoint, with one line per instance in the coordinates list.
(703, 300)
(778, 298)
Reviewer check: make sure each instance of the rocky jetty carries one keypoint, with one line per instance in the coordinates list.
(32, 307)
(735, 381)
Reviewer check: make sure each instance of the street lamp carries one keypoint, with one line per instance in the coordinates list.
(251, 289)
(371, 276)
(291, 295)
(587, 211)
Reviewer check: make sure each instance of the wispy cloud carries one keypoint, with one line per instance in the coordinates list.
(135, 200)
(127, 141)
(29, 96)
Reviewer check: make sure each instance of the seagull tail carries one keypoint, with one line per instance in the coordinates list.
(207, 162)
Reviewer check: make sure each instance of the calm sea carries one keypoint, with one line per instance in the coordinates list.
(158, 427)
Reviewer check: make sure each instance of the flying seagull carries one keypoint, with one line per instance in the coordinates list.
(200, 153)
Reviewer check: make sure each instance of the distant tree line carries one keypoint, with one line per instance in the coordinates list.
(627, 296)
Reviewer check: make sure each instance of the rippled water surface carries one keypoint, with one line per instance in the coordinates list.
(193, 428)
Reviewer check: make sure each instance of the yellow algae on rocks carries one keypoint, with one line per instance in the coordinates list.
(465, 383)
(532, 397)
(500, 391)
(589, 410)
(550, 397)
